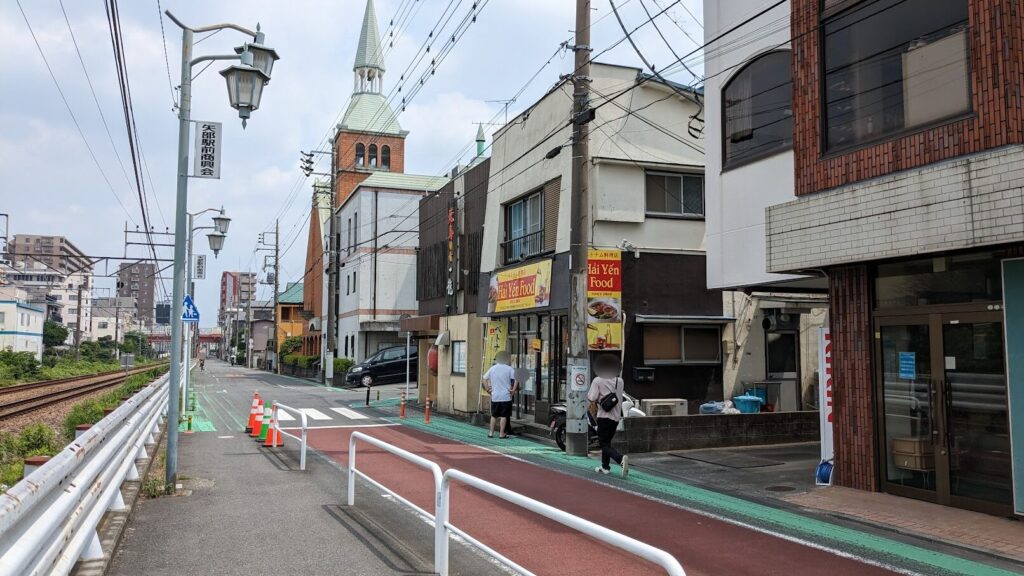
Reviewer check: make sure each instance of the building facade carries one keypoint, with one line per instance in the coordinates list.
(138, 281)
(21, 323)
(112, 317)
(907, 143)
(289, 313)
(56, 252)
(646, 216)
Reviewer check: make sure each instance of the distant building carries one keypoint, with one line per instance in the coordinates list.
(138, 281)
(112, 317)
(64, 297)
(57, 252)
(21, 323)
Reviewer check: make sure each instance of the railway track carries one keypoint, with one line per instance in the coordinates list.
(51, 392)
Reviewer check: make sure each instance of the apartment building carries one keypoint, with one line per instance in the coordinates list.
(138, 281)
(57, 252)
(21, 323)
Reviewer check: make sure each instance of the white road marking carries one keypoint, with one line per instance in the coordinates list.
(342, 426)
(224, 437)
(314, 414)
(284, 416)
(350, 414)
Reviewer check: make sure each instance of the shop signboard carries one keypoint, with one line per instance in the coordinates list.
(520, 288)
(604, 299)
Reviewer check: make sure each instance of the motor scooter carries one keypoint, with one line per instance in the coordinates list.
(557, 415)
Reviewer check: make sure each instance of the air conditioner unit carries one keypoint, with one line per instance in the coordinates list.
(665, 407)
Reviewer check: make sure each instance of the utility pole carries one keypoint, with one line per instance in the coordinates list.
(78, 326)
(332, 271)
(277, 288)
(576, 422)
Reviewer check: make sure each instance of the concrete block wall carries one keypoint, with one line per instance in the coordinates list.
(966, 202)
(661, 433)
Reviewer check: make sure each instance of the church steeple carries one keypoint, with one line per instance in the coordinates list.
(369, 65)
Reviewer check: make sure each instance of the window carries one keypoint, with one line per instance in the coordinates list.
(360, 154)
(373, 156)
(350, 235)
(3, 317)
(348, 284)
(103, 325)
(353, 281)
(385, 157)
(675, 194)
(524, 228)
(758, 107)
(459, 357)
(689, 344)
(893, 65)
(355, 227)
(346, 346)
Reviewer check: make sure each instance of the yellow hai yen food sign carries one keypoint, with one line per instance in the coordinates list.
(604, 300)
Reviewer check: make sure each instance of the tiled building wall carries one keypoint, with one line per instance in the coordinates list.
(854, 412)
(349, 176)
(996, 30)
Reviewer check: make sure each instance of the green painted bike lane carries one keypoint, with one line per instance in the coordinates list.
(777, 521)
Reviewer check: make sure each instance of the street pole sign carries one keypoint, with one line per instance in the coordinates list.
(189, 312)
(200, 267)
(208, 147)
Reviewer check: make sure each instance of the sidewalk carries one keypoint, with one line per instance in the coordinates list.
(981, 544)
(247, 510)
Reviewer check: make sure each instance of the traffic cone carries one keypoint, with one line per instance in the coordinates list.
(257, 419)
(266, 424)
(273, 434)
(426, 412)
(252, 411)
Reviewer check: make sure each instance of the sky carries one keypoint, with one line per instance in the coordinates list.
(50, 183)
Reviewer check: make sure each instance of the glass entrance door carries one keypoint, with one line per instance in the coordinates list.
(944, 409)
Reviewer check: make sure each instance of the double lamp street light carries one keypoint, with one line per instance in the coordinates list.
(245, 81)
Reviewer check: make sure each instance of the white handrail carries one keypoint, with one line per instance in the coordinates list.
(631, 545)
(48, 520)
(305, 428)
(440, 517)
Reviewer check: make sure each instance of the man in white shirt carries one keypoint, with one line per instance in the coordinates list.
(500, 383)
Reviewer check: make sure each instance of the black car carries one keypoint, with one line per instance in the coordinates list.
(387, 365)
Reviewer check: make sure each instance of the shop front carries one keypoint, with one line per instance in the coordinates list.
(526, 314)
(940, 362)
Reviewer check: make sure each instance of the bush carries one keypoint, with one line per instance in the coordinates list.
(35, 440)
(19, 365)
(292, 359)
(290, 345)
(307, 361)
(341, 365)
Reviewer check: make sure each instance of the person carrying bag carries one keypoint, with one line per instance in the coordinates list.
(605, 398)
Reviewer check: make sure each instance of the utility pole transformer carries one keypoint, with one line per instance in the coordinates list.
(579, 363)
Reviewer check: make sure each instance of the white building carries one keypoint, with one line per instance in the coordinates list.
(749, 168)
(376, 281)
(112, 317)
(21, 323)
(43, 283)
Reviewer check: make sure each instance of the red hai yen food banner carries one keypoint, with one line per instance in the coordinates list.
(604, 300)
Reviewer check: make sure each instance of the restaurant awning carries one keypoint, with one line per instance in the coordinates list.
(426, 323)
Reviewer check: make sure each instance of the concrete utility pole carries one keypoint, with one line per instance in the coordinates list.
(576, 421)
(78, 326)
(277, 288)
(332, 272)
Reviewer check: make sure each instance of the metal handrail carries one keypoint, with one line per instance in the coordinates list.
(48, 520)
(305, 428)
(440, 517)
(631, 545)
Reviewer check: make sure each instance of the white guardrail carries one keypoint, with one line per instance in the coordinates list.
(48, 520)
(305, 428)
(442, 527)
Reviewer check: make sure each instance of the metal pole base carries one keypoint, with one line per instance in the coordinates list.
(576, 443)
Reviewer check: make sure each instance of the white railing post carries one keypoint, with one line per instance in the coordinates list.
(351, 488)
(303, 444)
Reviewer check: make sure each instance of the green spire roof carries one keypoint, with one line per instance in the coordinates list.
(368, 52)
(370, 112)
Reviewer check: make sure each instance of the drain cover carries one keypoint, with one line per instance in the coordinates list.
(780, 488)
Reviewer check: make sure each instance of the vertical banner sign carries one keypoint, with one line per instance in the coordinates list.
(495, 340)
(207, 154)
(825, 408)
(200, 267)
(604, 300)
(1013, 316)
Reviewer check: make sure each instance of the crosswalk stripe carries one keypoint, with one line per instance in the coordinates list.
(284, 416)
(315, 414)
(350, 414)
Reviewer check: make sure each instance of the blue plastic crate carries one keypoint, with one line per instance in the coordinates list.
(760, 392)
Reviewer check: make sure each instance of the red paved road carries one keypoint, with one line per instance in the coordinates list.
(704, 546)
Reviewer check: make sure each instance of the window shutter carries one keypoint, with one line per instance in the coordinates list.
(552, 193)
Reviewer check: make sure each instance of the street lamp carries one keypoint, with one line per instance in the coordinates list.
(245, 88)
(216, 242)
(220, 223)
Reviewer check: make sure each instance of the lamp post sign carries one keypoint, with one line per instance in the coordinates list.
(208, 144)
(200, 267)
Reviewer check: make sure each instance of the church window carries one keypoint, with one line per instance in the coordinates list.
(373, 156)
(360, 154)
(385, 157)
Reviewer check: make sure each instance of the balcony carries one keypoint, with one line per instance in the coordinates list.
(523, 247)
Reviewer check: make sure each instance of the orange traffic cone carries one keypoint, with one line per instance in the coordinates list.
(257, 419)
(273, 434)
(254, 410)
